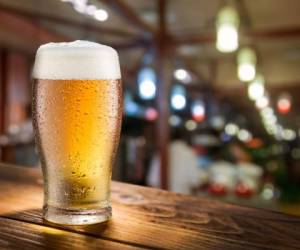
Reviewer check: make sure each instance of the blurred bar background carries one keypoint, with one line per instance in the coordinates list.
(210, 90)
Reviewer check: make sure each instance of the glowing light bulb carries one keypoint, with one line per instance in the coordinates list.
(80, 5)
(178, 99)
(244, 135)
(246, 64)
(90, 9)
(227, 30)
(190, 125)
(262, 102)
(147, 89)
(146, 83)
(198, 111)
(101, 15)
(231, 129)
(256, 88)
(267, 112)
(151, 114)
(182, 75)
(284, 103)
(289, 135)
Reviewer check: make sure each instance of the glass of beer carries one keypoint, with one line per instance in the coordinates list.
(77, 110)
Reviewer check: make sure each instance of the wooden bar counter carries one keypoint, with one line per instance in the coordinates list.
(143, 218)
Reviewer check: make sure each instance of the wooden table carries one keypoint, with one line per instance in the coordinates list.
(143, 218)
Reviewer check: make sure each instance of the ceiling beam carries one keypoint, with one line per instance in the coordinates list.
(125, 11)
(132, 44)
(25, 34)
(63, 21)
(162, 17)
(193, 39)
(278, 33)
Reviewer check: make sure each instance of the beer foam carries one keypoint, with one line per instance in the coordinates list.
(76, 60)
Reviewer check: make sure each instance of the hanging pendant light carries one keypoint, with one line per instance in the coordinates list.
(284, 103)
(227, 25)
(147, 83)
(178, 97)
(198, 110)
(262, 102)
(182, 75)
(256, 88)
(246, 64)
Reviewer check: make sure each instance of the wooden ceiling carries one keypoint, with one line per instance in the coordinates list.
(191, 22)
(272, 27)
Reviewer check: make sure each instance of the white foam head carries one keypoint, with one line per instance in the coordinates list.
(76, 60)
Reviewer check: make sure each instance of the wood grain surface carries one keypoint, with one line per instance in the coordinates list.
(16, 234)
(142, 218)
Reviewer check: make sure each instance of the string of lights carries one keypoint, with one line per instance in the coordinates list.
(90, 10)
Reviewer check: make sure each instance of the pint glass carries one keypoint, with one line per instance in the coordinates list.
(77, 110)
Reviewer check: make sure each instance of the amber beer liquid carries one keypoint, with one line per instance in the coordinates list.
(77, 119)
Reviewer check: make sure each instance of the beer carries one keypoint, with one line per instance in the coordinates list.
(77, 118)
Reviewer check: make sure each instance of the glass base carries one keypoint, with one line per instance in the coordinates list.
(76, 216)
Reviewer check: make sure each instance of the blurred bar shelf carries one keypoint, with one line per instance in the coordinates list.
(143, 218)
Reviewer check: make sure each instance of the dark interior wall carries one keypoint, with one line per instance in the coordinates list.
(14, 93)
(17, 88)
